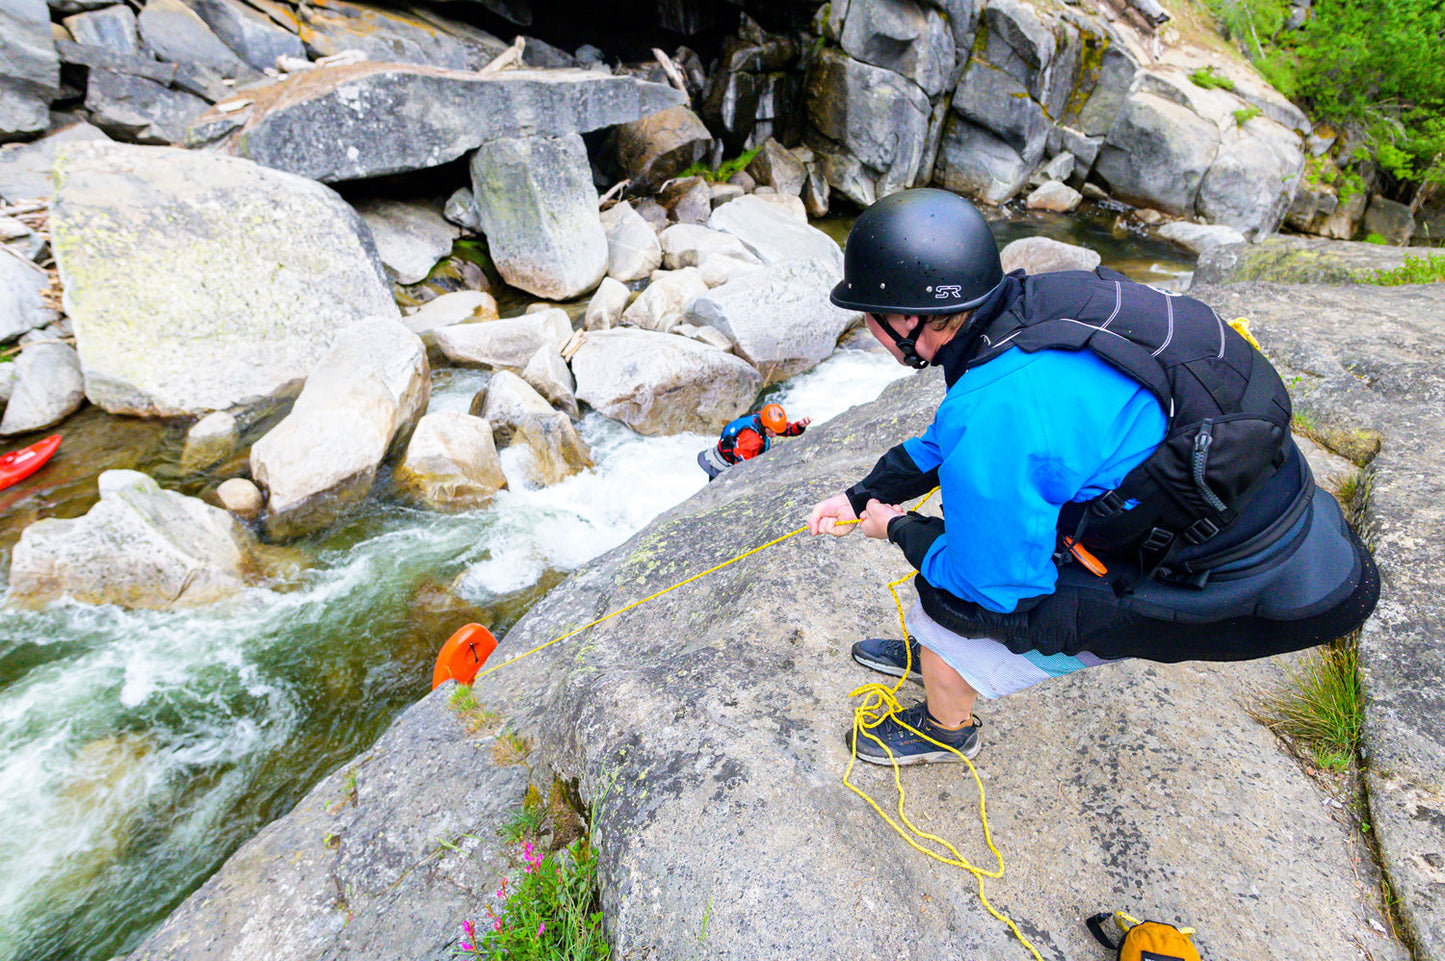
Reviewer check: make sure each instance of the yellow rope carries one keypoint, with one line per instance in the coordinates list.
(866, 716)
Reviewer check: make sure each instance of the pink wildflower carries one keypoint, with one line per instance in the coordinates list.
(540, 928)
(470, 936)
(496, 924)
(531, 857)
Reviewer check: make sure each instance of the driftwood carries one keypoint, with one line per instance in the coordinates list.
(673, 74)
(1151, 11)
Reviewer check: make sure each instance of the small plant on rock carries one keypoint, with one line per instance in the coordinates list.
(549, 912)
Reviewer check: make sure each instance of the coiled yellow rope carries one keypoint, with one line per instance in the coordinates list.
(879, 703)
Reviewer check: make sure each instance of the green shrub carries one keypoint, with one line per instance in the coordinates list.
(1416, 270)
(1244, 115)
(1206, 77)
(723, 171)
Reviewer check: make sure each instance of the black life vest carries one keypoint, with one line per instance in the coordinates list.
(1228, 418)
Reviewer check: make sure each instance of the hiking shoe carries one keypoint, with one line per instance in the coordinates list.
(888, 655)
(909, 748)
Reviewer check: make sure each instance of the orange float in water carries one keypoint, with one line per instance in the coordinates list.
(463, 655)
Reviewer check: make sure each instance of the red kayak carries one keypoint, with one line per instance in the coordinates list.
(20, 464)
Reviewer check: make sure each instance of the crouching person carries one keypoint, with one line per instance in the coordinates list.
(1085, 416)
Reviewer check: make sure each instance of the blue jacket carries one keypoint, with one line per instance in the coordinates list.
(1011, 443)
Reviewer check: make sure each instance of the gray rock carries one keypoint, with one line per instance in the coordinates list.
(362, 399)
(550, 376)
(1040, 255)
(508, 402)
(1391, 220)
(538, 207)
(461, 210)
(633, 249)
(662, 304)
(254, 37)
(1054, 196)
(722, 193)
(138, 547)
(113, 28)
(975, 163)
(1156, 154)
(48, 388)
(880, 117)
(211, 440)
(451, 463)
(1343, 222)
(135, 109)
(1295, 260)
(1019, 43)
(176, 33)
(364, 828)
(661, 384)
(29, 69)
(1111, 88)
(606, 306)
(776, 167)
(688, 245)
(1382, 379)
(509, 342)
(25, 167)
(1253, 178)
(995, 101)
(1199, 237)
(557, 450)
(457, 307)
(773, 235)
(779, 318)
(908, 38)
(198, 282)
(1083, 148)
(22, 301)
(653, 149)
(414, 37)
(410, 237)
(370, 119)
(687, 200)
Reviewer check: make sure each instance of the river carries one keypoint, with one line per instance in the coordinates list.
(138, 749)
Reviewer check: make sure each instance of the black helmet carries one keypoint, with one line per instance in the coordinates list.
(923, 251)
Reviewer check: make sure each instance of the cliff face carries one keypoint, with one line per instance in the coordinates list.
(704, 729)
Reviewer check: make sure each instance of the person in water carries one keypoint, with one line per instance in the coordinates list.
(747, 437)
(1117, 474)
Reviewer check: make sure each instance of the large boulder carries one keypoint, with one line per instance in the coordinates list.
(362, 400)
(772, 233)
(198, 282)
(653, 149)
(658, 383)
(29, 69)
(973, 162)
(911, 39)
(138, 109)
(176, 33)
(995, 100)
(633, 249)
(451, 462)
(1253, 178)
(538, 208)
(369, 119)
(662, 304)
(1157, 153)
(507, 342)
(138, 547)
(779, 318)
(878, 116)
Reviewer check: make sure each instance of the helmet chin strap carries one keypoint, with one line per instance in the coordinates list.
(907, 345)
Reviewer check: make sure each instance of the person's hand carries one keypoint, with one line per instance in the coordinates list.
(803, 422)
(874, 522)
(826, 515)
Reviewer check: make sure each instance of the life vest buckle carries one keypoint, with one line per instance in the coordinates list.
(1201, 531)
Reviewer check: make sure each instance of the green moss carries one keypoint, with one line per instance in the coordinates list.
(1244, 115)
(1206, 77)
(1415, 270)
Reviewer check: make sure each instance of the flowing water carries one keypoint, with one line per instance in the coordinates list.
(138, 749)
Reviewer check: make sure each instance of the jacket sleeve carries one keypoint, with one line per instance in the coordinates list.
(914, 533)
(793, 429)
(894, 479)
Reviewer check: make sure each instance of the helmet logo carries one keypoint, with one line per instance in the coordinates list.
(948, 291)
